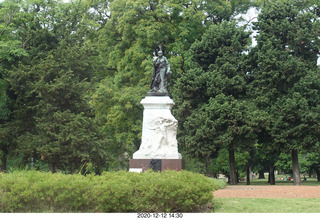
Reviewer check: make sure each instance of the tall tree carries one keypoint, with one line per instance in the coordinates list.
(313, 161)
(211, 97)
(286, 56)
(11, 51)
(62, 130)
(51, 83)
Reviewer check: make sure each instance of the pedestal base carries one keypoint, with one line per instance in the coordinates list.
(159, 130)
(141, 165)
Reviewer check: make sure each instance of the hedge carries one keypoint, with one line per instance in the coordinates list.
(169, 191)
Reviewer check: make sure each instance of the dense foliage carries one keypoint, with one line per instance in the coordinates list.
(286, 81)
(170, 191)
(72, 74)
(211, 96)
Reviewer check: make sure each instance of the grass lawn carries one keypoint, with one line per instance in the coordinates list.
(266, 205)
(269, 205)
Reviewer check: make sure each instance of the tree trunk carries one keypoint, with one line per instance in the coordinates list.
(208, 161)
(232, 165)
(238, 178)
(3, 166)
(52, 167)
(295, 168)
(248, 174)
(318, 174)
(261, 174)
(271, 178)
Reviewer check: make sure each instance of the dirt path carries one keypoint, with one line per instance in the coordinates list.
(268, 192)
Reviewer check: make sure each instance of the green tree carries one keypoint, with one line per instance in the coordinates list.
(286, 56)
(116, 40)
(51, 84)
(4, 110)
(134, 31)
(211, 97)
(61, 129)
(313, 162)
(220, 164)
(11, 51)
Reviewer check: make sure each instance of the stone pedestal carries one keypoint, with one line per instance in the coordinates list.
(159, 130)
(141, 165)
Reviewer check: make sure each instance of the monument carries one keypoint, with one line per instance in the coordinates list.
(159, 147)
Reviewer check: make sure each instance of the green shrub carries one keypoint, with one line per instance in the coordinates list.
(218, 183)
(169, 191)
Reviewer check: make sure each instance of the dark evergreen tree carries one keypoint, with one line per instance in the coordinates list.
(212, 105)
(50, 83)
(286, 81)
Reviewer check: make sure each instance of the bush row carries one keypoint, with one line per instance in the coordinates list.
(169, 191)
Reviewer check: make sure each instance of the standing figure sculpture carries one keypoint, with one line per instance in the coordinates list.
(160, 73)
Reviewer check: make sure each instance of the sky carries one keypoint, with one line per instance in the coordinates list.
(251, 16)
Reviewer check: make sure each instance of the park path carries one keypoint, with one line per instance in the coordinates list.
(271, 191)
